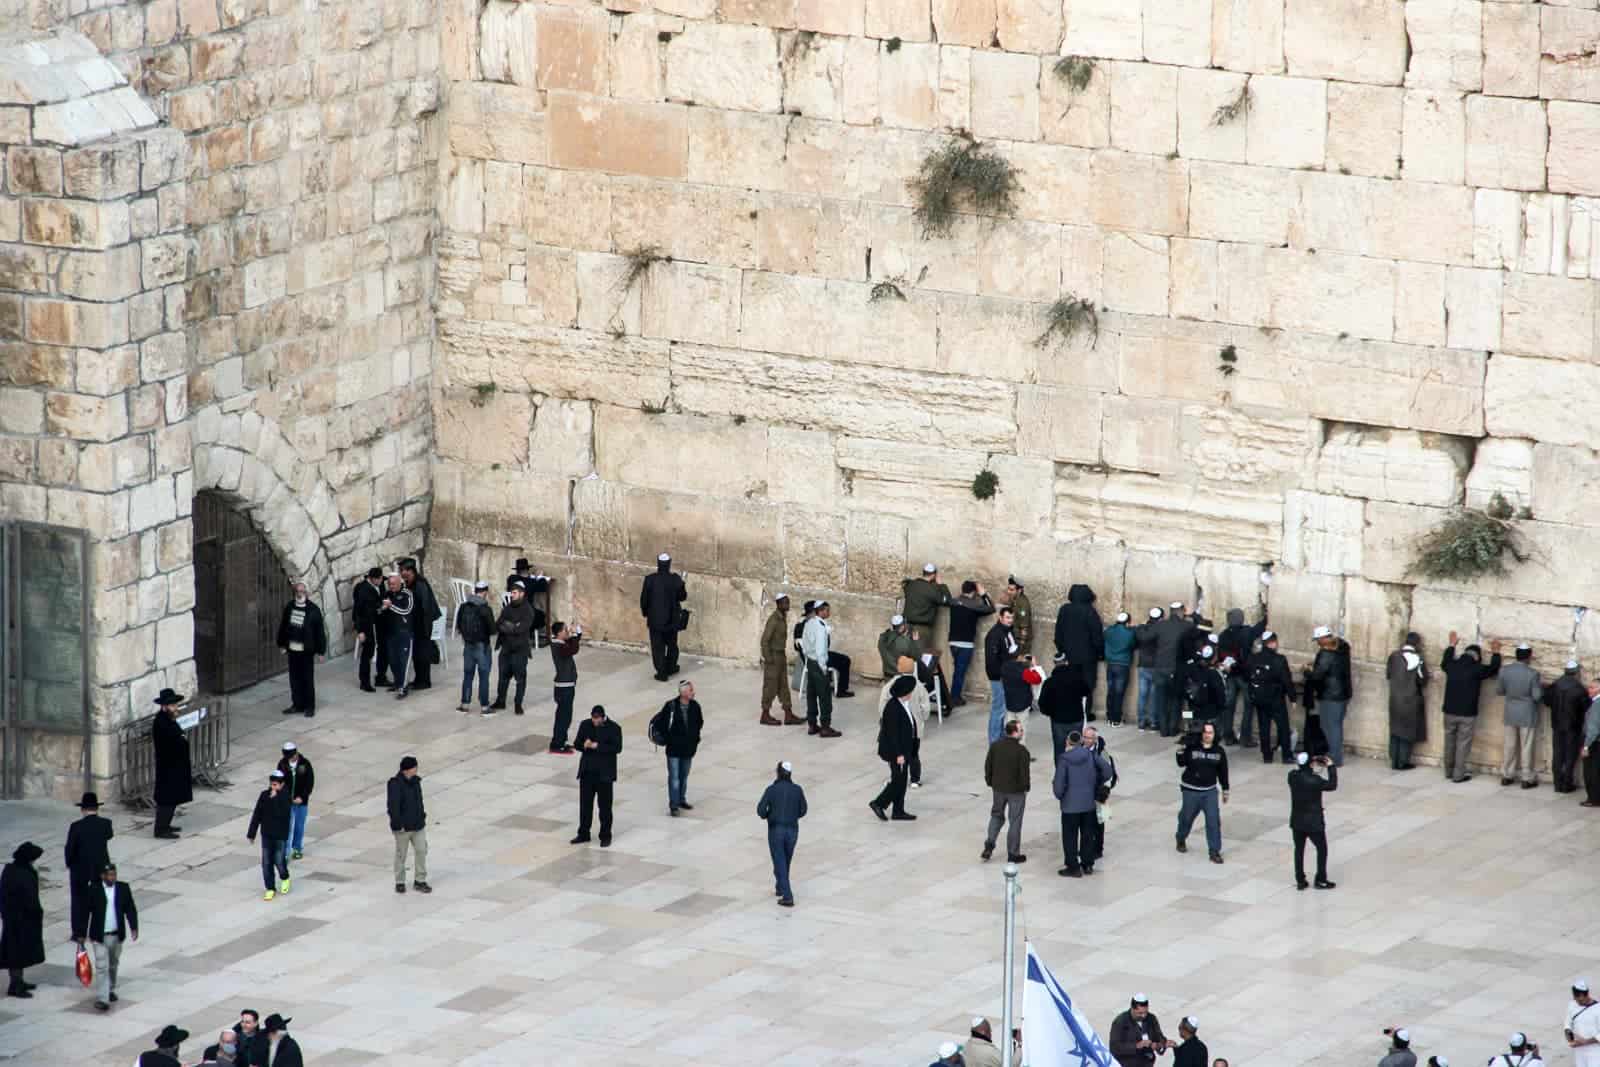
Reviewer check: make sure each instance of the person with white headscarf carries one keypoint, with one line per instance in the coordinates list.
(1408, 677)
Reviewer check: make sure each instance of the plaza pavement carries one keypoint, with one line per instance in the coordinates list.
(1463, 911)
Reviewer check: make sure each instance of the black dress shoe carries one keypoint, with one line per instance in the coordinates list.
(903, 816)
(1182, 847)
(786, 902)
(581, 839)
(1070, 872)
(1530, 785)
(422, 887)
(660, 677)
(368, 689)
(19, 993)
(1020, 857)
(846, 694)
(672, 812)
(290, 711)
(605, 842)
(311, 713)
(686, 806)
(498, 705)
(113, 998)
(877, 809)
(1302, 884)
(399, 887)
(1323, 883)
(168, 835)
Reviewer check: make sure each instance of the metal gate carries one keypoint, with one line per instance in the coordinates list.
(239, 590)
(44, 650)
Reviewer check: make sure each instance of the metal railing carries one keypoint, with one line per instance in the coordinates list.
(208, 730)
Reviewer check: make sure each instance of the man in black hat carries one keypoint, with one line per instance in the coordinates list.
(85, 856)
(21, 918)
(368, 599)
(113, 921)
(530, 581)
(659, 598)
(282, 1050)
(304, 640)
(897, 736)
(174, 776)
(599, 741)
(425, 609)
(165, 1054)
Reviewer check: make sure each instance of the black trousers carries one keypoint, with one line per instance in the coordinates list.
(1319, 839)
(513, 665)
(369, 648)
(164, 813)
(591, 790)
(399, 656)
(894, 794)
(422, 660)
(914, 761)
(1268, 716)
(80, 889)
(664, 650)
(1077, 840)
(1591, 775)
(303, 680)
(1565, 743)
(1399, 752)
(839, 664)
(1097, 837)
(1088, 671)
(563, 696)
(819, 698)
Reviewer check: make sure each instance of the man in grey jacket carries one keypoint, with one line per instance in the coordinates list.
(1079, 773)
(1171, 633)
(1519, 684)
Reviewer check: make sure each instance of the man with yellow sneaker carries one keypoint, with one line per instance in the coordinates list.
(271, 817)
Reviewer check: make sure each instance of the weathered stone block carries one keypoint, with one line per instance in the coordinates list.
(75, 223)
(965, 22)
(1511, 49)
(1473, 307)
(909, 20)
(813, 548)
(499, 507)
(619, 137)
(875, 551)
(572, 49)
(629, 371)
(1059, 424)
(1238, 203)
(1075, 116)
(1573, 132)
(1108, 28)
(1287, 122)
(86, 418)
(1155, 580)
(1248, 35)
(1364, 123)
(1376, 617)
(1568, 66)
(507, 42)
(1271, 287)
(1322, 533)
(1005, 95)
(1153, 513)
(1563, 477)
(1446, 44)
(1300, 602)
(599, 519)
(1136, 274)
(1131, 192)
(684, 453)
(481, 426)
(1026, 26)
(1501, 465)
(1505, 143)
(726, 66)
(561, 443)
(1144, 108)
(1349, 40)
(1397, 465)
(1419, 304)
(1227, 444)
(686, 302)
(1434, 135)
(1178, 32)
(1015, 259)
(1548, 316)
(1200, 136)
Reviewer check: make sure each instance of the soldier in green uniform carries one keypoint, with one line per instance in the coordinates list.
(1022, 613)
(775, 664)
(924, 597)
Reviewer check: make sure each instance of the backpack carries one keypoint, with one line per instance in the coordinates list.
(658, 729)
(1265, 685)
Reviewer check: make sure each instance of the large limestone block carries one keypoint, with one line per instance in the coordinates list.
(988, 336)
(561, 443)
(1496, 229)
(813, 548)
(1317, 292)
(1200, 94)
(1059, 424)
(1364, 123)
(875, 551)
(726, 66)
(811, 235)
(694, 303)
(802, 468)
(1501, 465)
(1225, 586)
(1136, 276)
(1446, 44)
(1322, 533)
(1193, 277)
(1399, 465)
(1574, 130)
(1226, 444)
(1348, 40)
(1026, 26)
(908, 86)
(736, 148)
(501, 507)
(1287, 122)
(1564, 477)
(1248, 35)
(1237, 203)
(489, 120)
(483, 427)
(1155, 580)
(814, 76)
(864, 400)
(599, 519)
(1376, 615)
(1142, 435)
(909, 20)
(697, 223)
(1434, 136)
(981, 554)
(1544, 315)
(900, 249)
(1473, 307)
(1018, 259)
(1153, 513)
(745, 536)
(1419, 304)
(619, 137)
(566, 363)
(897, 461)
(1178, 32)
(1026, 497)
(1511, 49)
(1133, 192)
(1058, 185)
(850, 162)
(966, 22)
(1551, 629)
(1071, 116)
(1144, 108)
(1299, 602)
(1505, 143)
(572, 48)
(1109, 28)
(1568, 66)
(686, 453)
(1005, 95)
(506, 42)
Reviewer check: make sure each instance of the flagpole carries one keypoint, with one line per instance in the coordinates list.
(1010, 956)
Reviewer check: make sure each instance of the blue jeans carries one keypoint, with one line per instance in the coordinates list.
(962, 658)
(1332, 713)
(297, 826)
(1147, 701)
(274, 860)
(475, 658)
(677, 780)
(1116, 689)
(780, 842)
(997, 710)
(1196, 801)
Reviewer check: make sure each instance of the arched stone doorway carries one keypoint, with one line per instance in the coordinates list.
(239, 585)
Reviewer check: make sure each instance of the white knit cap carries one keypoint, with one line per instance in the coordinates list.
(1155, 613)
(1122, 616)
(897, 620)
(1320, 632)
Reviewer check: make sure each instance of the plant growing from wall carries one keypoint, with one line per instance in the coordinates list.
(1076, 71)
(985, 485)
(1469, 544)
(1228, 361)
(1239, 105)
(640, 259)
(963, 169)
(481, 393)
(888, 289)
(1066, 317)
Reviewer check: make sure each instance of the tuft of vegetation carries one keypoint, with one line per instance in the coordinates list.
(482, 392)
(1239, 105)
(640, 260)
(985, 485)
(888, 289)
(964, 168)
(653, 409)
(1066, 317)
(1470, 544)
(1229, 357)
(892, 45)
(1076, 71)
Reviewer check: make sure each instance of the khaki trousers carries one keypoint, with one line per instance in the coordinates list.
(775, 685)
(404, 839)
(1519, 746)
(1458, 730)
(107, 956)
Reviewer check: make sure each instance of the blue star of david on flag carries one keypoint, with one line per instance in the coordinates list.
(1054, 1032)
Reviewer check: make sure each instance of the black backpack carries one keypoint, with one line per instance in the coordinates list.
(1265, 685)
(658, 728)
(1194, 688)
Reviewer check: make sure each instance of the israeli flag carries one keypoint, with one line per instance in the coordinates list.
(1054, 1032)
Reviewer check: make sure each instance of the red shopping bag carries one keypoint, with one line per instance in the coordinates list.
(85, 967)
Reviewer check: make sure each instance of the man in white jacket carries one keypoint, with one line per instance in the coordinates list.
(814, 642)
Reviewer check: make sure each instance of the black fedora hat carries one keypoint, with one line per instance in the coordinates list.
(168, 697)
(374, 572)
(171, 1037)
(90, 802)
(275, 1022)
(521, 564)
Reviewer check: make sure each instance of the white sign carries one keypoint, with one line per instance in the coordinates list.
(191, 720)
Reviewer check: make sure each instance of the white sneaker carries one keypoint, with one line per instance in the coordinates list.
(916, 785)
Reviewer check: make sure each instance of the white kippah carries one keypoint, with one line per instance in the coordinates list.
(1572, 664)
(1581, 985)
(1303, 758)
(928, 568)
(896, 620)
(1403, 1034)
(1207, 652)
(288, 746)
(1524, 647)
(1122, 616)
(786, 765)
(1267, 635)
(1518, 1039)
(947, 1050)
(1140, 998)
(1155, 613)
(663, 558)
(1176, 605)
(276, 773)
(1213, 638)
(1321, 632)
(1194, 1024)
(977, 1021)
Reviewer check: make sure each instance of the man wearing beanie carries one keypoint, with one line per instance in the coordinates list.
(783, 805)
(407, 820)
(1567, 699)
(1519, 684)
(897, 735)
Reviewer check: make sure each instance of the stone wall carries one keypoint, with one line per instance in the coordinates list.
(1391, 239)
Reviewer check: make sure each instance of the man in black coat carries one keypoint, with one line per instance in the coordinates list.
(250, 1041)
(21, 918)
(424, 611)
(1268, 688)
(513, 636)
(408, 820)
(531, 582)
(897, 742)
(113, 921)
(599, 741)
(174, 775)
(678, 723)
(1306, 787)
(1568, 700)
(304, 639)
(165, 1054)
(659, 598)
(86, 855)
(300, 778)
(1464, 676)
(368, 597)
(1082, 637)
(1062, 699)
(282, 1050)
(1135, 1038)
